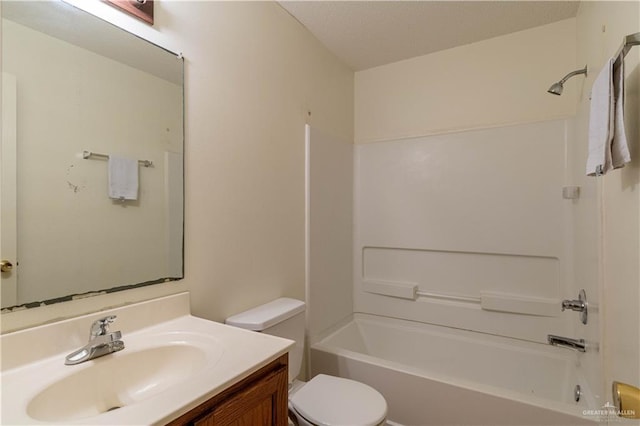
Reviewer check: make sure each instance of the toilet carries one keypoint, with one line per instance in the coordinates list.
(324, 400)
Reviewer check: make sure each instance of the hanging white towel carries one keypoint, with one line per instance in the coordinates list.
(123, 178)
(601, 122)
(608, 148)
(619, 146)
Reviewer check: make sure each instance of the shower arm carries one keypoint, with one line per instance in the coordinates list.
(629, 41)
(572, 73)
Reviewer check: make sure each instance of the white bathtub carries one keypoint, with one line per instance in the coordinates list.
(432, 375)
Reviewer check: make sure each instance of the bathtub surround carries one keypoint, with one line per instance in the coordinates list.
(444, 238)
(481, 240)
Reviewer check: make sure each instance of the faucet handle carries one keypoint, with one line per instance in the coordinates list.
(579, 305)
(101, 327)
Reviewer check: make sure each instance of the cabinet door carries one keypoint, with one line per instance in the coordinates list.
(263, 403)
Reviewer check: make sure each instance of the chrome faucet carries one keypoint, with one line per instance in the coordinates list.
(101, 342)
(577, 344)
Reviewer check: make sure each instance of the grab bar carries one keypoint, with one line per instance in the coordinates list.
(577, 344)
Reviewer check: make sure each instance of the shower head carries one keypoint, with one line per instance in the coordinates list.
(556, 88)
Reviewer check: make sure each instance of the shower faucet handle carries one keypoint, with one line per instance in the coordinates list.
(574, 305)
(579, 305)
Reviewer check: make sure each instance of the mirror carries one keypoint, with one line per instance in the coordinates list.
(73, 83)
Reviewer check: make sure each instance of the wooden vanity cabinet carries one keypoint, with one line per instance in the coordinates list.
(258, 400)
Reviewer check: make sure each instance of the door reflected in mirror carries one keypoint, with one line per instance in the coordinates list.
(74, 83)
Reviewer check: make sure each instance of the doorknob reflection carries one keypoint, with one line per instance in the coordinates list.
(6, 266)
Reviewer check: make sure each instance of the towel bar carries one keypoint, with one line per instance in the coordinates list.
(88, 154)
(629, 41)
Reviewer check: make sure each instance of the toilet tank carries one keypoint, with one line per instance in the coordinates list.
(282, 317)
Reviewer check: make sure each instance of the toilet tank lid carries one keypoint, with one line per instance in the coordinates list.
(267, 315)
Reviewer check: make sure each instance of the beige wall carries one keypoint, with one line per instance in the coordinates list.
(601, 27)
(255, 74)
(254, 77)
(489, 83)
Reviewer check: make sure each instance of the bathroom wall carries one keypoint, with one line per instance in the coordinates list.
(607, 215)
(254, 78)
(485, 84)
(58, 186)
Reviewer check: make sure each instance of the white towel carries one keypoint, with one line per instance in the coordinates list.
(123, 178)
(619, 146)
(608, 147)
(601, 122)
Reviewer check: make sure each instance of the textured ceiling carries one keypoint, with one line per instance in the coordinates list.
(366, 34)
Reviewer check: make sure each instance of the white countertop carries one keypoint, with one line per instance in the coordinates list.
(233, 355)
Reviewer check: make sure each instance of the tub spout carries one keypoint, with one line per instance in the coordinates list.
(577, 344)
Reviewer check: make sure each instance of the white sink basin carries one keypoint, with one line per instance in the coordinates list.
(116, 380)
(172, 362)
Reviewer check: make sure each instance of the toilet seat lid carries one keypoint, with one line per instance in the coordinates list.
(328, 400)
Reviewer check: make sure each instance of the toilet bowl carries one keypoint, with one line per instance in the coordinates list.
(324, 400)
(329, 400)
